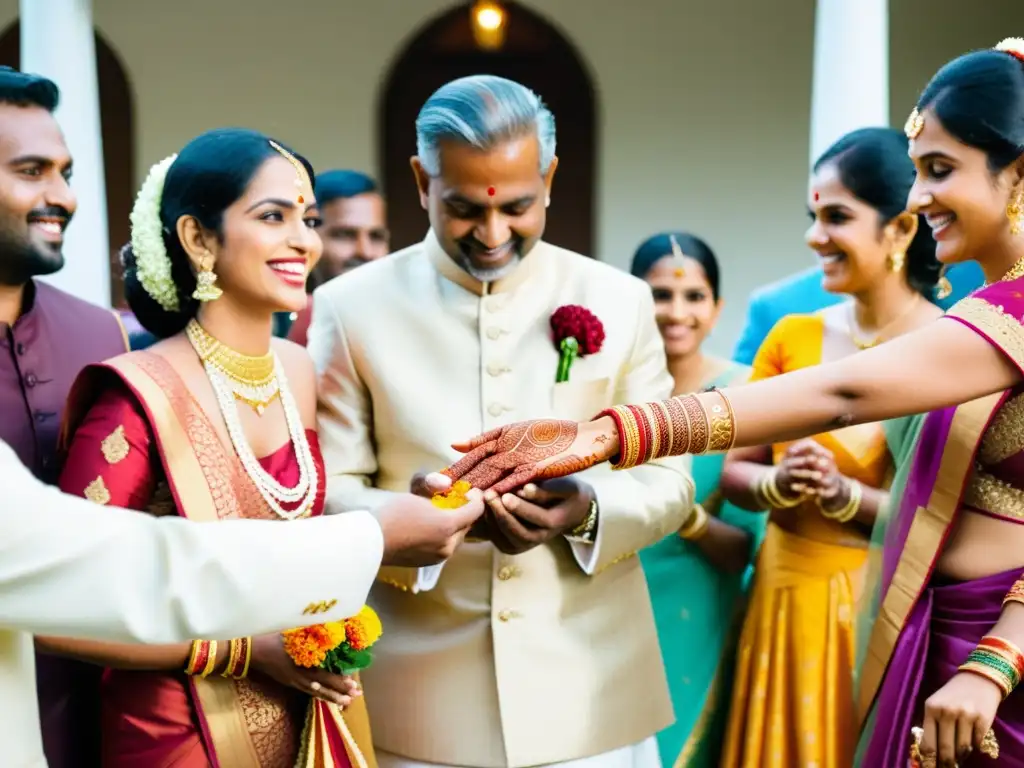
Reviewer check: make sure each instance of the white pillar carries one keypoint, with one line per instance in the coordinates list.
(851, 69)
(57, 41)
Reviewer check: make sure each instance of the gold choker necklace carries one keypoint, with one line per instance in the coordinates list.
(253, 380)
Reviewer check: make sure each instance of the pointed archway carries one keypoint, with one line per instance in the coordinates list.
(117, 119)
(535, 54)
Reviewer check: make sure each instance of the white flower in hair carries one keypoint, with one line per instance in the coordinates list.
(153, 266)
(1013, 45)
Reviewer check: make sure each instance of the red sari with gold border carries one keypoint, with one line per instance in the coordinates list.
(135, 437)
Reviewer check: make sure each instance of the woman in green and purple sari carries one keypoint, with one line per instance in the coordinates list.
(944, 653)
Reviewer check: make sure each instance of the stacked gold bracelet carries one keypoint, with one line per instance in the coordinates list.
(769, 496)
(850, 509)
(696, 526)
(1016, 593)
(238, 658)
(203, 658)
(672, 427)
(998, 660)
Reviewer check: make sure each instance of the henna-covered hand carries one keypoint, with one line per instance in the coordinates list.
(528, 451)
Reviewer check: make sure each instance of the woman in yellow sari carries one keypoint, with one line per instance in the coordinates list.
(214, 423)
(792, 701)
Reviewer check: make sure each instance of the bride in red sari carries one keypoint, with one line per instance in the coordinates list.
(214, 423)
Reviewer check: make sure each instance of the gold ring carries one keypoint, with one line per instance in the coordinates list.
(917, 758)
(989, 745)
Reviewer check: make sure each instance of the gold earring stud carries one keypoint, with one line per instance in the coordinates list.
(896, 261)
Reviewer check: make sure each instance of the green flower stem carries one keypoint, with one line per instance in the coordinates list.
(570, 350)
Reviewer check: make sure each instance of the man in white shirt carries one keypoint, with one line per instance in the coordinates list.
(71, 568)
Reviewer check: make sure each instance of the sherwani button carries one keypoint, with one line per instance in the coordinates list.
(506, 573)
(494, 369)
(496, 409)
(504, 615)
(493, 332)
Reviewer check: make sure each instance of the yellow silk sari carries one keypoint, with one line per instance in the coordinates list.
(792, 701)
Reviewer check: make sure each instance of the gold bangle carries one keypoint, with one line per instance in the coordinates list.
(697, 525)
(722, 424)
(849, 510)
(700, 430)
(211, 662)
(768, 489)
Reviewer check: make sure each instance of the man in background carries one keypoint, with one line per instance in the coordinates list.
(802, 293)
(353, 227)
(46, 338)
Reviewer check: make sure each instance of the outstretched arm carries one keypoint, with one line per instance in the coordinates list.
(975, 351)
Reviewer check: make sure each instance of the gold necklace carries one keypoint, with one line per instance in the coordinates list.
(1017, 270)
(253, 380)
(863, 344)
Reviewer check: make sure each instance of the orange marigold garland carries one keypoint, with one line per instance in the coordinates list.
(341, 647)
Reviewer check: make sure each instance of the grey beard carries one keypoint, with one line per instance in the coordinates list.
(489, 275)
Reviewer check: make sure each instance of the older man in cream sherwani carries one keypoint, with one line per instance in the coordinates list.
(511, 653)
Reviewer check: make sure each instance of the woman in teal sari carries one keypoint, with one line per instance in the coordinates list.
(697, 583)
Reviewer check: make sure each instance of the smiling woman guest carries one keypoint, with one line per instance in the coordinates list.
(213, 422)
(792, 702)
(697, 576)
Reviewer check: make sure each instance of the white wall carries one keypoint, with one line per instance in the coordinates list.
(705, 105)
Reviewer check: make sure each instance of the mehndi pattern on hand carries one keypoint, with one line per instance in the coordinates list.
(525, 452)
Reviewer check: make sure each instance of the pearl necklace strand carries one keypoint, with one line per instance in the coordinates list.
(275, 494)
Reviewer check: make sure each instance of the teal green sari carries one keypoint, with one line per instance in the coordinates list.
(697, 610)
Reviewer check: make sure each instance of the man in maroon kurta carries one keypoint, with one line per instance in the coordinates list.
(46, 337)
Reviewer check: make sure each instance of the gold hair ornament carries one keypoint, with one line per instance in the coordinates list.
(914, 125)
(302, 182)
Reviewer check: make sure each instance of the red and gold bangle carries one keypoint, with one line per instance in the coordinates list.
(629, 436)
(681, 433)
(238, 658)
(202, 659)
(664, 425)
(644, 434)
(1006, 650)
(998, 660)
(699, 428)
(1016, 593)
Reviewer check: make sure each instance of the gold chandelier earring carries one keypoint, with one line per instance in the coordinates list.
(1015, 213)
(943, 288)
(896, 261)
(206, 283)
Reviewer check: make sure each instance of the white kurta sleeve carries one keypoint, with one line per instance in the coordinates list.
(74, 569)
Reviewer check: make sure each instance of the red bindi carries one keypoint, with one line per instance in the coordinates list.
(816, 196)
(490, 191)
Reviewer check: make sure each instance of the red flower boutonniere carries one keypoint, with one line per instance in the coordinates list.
(577, 332)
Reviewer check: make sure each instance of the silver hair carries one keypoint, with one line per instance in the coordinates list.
(482, 111)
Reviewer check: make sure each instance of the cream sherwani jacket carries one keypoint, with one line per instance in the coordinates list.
(501, 661)
(71, 568)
